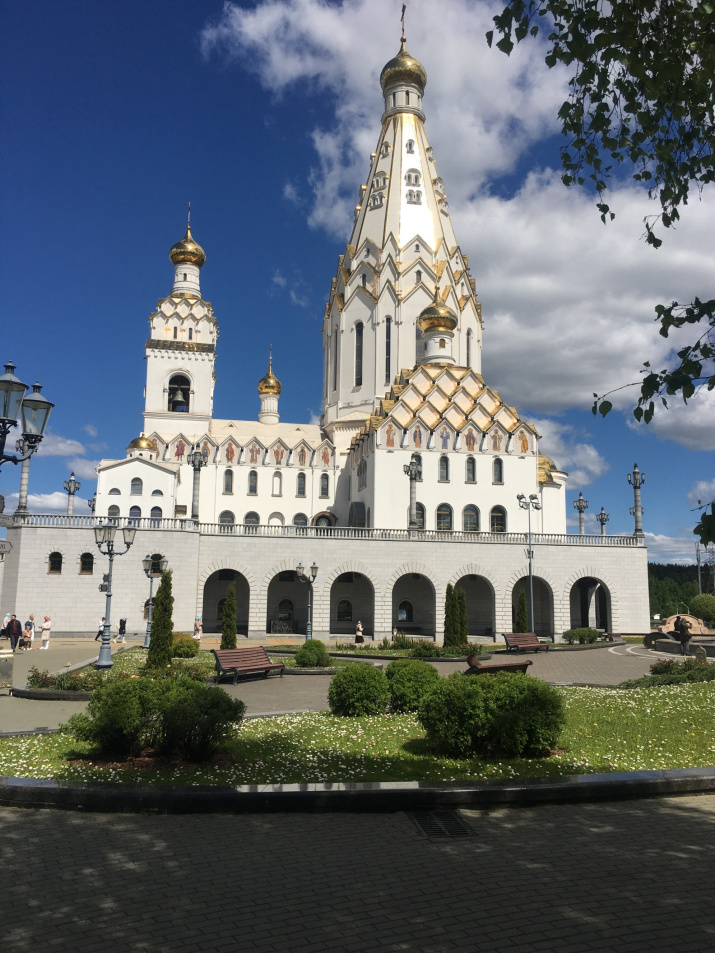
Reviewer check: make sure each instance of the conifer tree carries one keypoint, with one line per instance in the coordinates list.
(463, 621)
(228, 619)
(522, 619)
(451, 618)
(162, 625)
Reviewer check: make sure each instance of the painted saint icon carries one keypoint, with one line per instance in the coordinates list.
(470, 441)
(180, 450)
(230, 453)
(523, 442)
(444, 437)
(325, 457)
(205, 452)
(390, 435)
(417, 437)
(496, 440)
(278, 453)
(253, 452)
(301, 456)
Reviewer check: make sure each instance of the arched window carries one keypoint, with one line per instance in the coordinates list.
(471, 471)
(404, 611)
(413, 177)
(277, 484)
(179, 391)
(137, 487)
(324, 485)
(498, 471)
(410, 197)
(226, 518)
(497, 519)
(388, 347)
(55, 563)
(345, 611)
(113, 512)
(157, 492)
(444, 517)
(252, 483)
(156, 559)
(363, 280)
(86, 564)
(228, 481)
(300, 485)
(470, 519)
(135, 513)
(410, 146)
(418, 276)
(444, 469)
(156, 513)
(300, 519)
(420, 516)
(358, 354)
(251, 519)
(335, 360)
(469, 348)
(114, 491)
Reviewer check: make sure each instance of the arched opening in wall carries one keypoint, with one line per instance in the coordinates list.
(470, 475)
(226, 518)
(300, 520)
(420, 514)
(444, 517)
(300, 485)
(414, 605)
(113, 512)
(287, 604)
(277, 484)
(179, 394)
(135, 514)
(324, 486)
(470, 519)
(497, 520)
(252, 482)
(324, 522)
(357, 515)
(228, 481)
(352, 590)
(156, 514)
(276, 519)
(55, 563)
(213, 600)
(590, 605)
(480, 604)
(86, 564)
(137, 486)
(543, 605)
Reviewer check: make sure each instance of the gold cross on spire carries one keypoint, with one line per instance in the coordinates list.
(402, 19)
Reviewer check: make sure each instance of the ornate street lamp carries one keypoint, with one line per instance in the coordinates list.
(196, 459)
(71, 487)
(104, 537)
(581, 505)
(308, 576)
(532, 503)
(637, 479)
(413, 470)
(148, 564)
(32, 414)
(603, 518)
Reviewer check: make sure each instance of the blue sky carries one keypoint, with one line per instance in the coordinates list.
(263, 115)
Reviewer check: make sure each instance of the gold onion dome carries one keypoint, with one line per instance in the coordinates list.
(270, 383)
(437, 317)
(546, 468)
(403, 68)
(187, 251)
(141, 443)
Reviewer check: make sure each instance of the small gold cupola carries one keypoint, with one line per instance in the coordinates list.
(437, 323)
(187, 257)
(269, 389)
(403, 68)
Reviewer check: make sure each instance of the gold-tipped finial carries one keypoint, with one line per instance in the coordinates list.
(188, 251)
(403, 68)
(402, 18)
(270, 383)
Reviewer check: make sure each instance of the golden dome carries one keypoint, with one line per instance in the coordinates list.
(187, 251)
(403, 68)
(270, 383)
(141, 443)
(437, 317)
(546, 468)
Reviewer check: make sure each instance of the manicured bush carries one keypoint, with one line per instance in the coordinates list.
(425, 649)
(703, 607)
(504, 713)
(121, 717)
(521, 623)
(583, 636)
(409, 683)
(359, 690)
(313, 654)
(194, 718)
(228, 619)
(671, 672)
(162, 625)
(185, 648)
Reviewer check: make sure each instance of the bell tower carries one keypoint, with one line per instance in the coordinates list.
(181, 349)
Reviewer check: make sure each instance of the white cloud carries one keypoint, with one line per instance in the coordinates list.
(278, 279)
(567, 448)
(668, 549)
(291, 193)
(314, 418)
(298, 299)
(47, 503)
(702, 493)
(84, 469)
(688, 424)
(53, 445)
(90, 429)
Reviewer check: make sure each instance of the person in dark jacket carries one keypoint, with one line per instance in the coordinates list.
(683, 635)
(14, 631)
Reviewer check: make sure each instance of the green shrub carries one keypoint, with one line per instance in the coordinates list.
(401, 641)
(162, 626)
(506, 713)
(386, 644)
(228, 618)
(583, 636)
(425, 649)
(185, 648)
(194, 718)
(313, 654)
(703, 607)
(120, 718)
(359, 690)
(410, 680)
(521, 623)
(670, 672)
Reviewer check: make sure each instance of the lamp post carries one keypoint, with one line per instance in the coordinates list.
(148, 564)
(71, 487)
(104, 537)
(529, 504)
(603, 518)
(22, 448)
(581, 505)
(413, 470)
(637, 479)
(308, 576)
(31, 412)
(196, 459)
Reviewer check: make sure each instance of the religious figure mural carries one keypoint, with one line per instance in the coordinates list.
(523, 442)
(390, 436)
(325, 457)
(278, 453)
(254, 452)
(301, 456)
(469, 440)
(180, 450)
(444, 437)
(417, 437)
(205, 452)
(230, 453)
(154, 444)
(496, 440)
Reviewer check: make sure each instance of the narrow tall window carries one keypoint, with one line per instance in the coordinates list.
(55, 563)
(410, 146)
(358, 354)
(228, 481)
(191, 333)
(444, 517)
(86, 564)
(364, 281)
(277, 484)
(497, 520)
(444, 469)
(253, 482)
(418, 276)
(420, 516)
(470, 519)
(324, 485)
(137, 486)
(388, 345)
(498, 471)
(300, 485)
(471, 475)
(176, 333)
(469, 348)
(335, 360)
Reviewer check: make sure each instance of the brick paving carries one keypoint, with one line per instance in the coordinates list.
(618, 876)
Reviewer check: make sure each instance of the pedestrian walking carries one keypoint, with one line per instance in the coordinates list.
(5, 621)
(45, 632)
(14, 631)
(121, 631)
(100, 630)
(30, 630)
(198, 630)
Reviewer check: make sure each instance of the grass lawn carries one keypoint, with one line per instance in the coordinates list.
(606, 730)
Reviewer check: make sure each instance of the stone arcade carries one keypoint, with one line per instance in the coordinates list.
(246, 501)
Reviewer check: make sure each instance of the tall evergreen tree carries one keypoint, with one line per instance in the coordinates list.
(463, 621)
(522, 619)
(451, 618)
(228, 619)
(162, 625)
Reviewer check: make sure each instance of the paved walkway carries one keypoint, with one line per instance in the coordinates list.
(621, 877)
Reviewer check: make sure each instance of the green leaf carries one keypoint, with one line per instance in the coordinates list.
(605, 407)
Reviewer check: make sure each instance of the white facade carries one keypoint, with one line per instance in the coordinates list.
(402, 338)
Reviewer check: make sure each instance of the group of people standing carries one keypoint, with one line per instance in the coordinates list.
(22, 639)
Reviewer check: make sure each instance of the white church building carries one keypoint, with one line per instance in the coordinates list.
(246, 501)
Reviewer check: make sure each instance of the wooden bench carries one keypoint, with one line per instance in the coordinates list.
(246, 661)
(479, 668)
(516, 641)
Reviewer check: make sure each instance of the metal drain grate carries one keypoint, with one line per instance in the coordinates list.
(441, 824)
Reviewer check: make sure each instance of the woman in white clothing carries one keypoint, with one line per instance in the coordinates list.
(45, 632)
